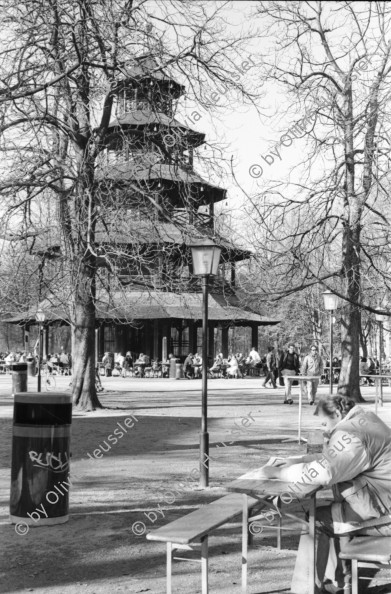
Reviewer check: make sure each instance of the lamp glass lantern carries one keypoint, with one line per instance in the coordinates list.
(40, 316)
(331, 301)
(206, 257)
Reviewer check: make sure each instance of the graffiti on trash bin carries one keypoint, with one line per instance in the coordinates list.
(49, 460)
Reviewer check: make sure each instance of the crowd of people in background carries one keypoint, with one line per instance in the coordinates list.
(277, 366)
(57, 363)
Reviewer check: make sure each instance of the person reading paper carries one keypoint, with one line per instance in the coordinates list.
(356, 462)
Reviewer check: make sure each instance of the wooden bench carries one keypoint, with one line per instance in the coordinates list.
(365, 549)
(195, 527)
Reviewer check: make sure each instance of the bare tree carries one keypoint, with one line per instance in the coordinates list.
(330, 222)
(63, 65)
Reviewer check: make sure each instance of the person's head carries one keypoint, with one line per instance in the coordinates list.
(291, 348)
(332, 409)
(253, 349)
(270, 349)
(314, 350)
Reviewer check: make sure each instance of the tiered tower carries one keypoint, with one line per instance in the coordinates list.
(151, 203)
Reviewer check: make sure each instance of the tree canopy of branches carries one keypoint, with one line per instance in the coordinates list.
(330, 222)
(62, 65)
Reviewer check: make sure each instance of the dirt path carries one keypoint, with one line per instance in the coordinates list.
(114, 499)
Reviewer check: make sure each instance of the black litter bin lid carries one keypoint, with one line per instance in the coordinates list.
(42, 398)
(18, 366)
(38, 408)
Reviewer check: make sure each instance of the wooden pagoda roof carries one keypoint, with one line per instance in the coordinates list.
(128, 171)
(129, 305)
(143, 118)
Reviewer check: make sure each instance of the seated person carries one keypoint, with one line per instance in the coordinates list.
(242, 364)
(10, 358)
(364, 371)
(127, 364)
(197, 362)
(233, 367)
(356, 461)
(187, 366)
(156, 368)
(254, 358)
(371, 366)
(142, 362)
(216, 367)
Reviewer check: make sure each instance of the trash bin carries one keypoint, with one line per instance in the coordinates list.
(173, 368)
(40, 458)
(178, 371)
(31, 368)
(19, 377)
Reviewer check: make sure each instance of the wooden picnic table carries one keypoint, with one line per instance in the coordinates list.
(272, 492)
(301, 379)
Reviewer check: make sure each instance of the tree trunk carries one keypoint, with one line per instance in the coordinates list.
(349, 379)
(83, 276)
(83, 356)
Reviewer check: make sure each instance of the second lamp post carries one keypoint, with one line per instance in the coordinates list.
(331, 303)
(206, 258)
(40, 317)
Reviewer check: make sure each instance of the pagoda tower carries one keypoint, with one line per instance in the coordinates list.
(152, 204)
(158, 202)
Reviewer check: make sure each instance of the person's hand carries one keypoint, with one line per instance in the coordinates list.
(270, 472)
(282, 463)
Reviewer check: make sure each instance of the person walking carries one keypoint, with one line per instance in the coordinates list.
(289, 365)
(270, 368)
(312, 365)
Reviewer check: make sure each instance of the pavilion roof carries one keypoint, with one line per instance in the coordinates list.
(130, 305)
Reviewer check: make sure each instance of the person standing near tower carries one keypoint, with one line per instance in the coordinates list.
(289, 365)
(270, 368)
(312, 365)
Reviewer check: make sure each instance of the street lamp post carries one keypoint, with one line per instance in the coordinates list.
(40, 317)
(331, 302)
(206, 258)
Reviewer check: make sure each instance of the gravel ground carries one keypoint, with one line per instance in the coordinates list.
(114, 500)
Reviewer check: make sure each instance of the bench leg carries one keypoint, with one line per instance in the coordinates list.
(354, 576)
(244, 544)
(169, 567)
(204, 565)
(279, 526)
